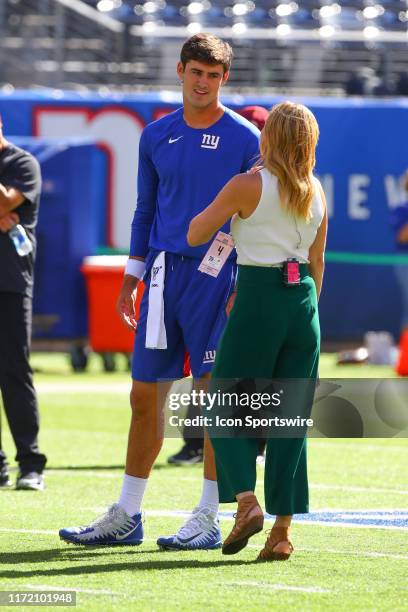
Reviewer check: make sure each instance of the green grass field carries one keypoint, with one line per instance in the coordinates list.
(84, 433)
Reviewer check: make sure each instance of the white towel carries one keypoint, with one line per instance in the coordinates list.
(156, 337)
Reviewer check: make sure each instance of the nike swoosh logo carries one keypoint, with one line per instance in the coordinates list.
(125, 535)
(171, 140)
(187, 540)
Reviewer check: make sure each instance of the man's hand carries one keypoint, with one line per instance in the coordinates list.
(230, 303)
(8, 221)
(125, 304)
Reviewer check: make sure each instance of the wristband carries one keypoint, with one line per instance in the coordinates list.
(135, 267)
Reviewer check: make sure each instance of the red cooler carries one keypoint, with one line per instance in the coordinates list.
(103, 276)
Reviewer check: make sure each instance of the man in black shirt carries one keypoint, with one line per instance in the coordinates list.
(20, 188)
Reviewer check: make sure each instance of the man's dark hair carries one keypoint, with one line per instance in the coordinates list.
(208, 49)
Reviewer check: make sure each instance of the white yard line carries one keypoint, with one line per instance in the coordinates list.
(329, 487)
(359, 553)
(360, 446)
(349, 525)
(264, 585)
(90, 473)
(72, 388)
(229, 516)
(277, 587)
(46, 587)
(88, 433)
(323, 487)
(29, 531)
(385, 516)
(184, 514)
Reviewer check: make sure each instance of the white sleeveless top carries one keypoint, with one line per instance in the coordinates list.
(270, 235)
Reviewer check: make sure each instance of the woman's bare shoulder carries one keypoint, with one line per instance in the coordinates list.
(248, 189)
(247, 180)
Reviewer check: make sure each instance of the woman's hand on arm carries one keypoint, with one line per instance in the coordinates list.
(240, 195)
(316, 251)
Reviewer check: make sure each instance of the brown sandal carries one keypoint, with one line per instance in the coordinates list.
(244, 527)
(275, 537)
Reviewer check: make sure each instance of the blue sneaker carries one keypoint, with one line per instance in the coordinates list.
(114, 527)
(201, 531)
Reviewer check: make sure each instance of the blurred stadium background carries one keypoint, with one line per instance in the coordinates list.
(79, 80)
(309, 46)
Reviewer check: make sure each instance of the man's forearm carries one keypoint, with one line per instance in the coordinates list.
(9, 199)
(140, 233)
(4, 201)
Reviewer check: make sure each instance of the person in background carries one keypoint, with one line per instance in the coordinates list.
(399, 224)
(193, 447)
(257, 115)
(20, 189)
(279, 228)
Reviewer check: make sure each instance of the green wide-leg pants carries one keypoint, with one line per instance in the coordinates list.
(272, 333)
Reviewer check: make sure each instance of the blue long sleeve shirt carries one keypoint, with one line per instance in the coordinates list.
(181, 170)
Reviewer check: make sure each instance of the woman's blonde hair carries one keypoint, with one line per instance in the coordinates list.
(288, 145)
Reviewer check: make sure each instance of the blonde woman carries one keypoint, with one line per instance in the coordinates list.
(279, 214)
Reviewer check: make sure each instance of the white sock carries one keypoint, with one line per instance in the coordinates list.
(209, 496)
(131, 496)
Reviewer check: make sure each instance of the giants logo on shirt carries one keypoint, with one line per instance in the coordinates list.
(210, 141)
(209, 356)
